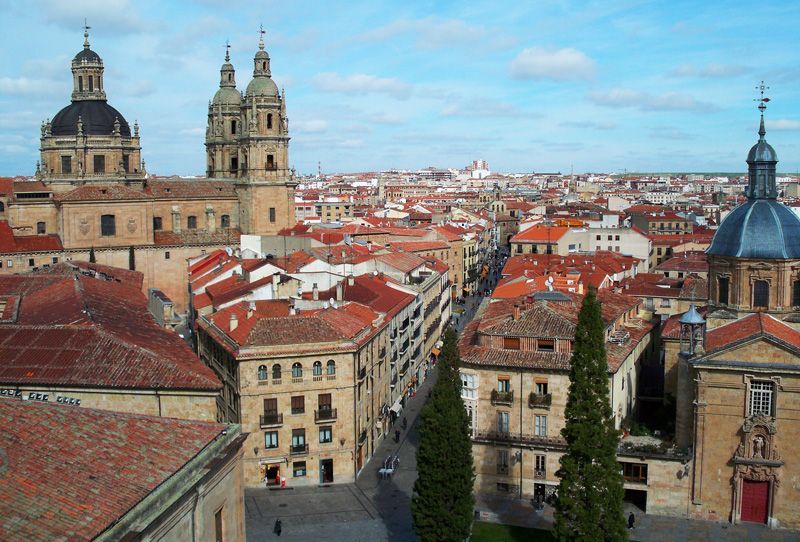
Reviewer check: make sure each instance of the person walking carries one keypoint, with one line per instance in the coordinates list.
(631, 521)
(277, 528)
(397, 435)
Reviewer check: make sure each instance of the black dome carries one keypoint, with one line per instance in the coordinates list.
(97, 117)
(760, 228)
(87, 55)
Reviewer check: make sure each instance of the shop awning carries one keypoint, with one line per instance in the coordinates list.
(397, 407)
(436, 352)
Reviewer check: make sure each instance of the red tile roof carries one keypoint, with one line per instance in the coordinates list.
(102, 192)
(755, 325)
(79, 330)
(191, 189)
(227, 236)
(540, 234)
(69, 473)
(15, 244)
(418, 246)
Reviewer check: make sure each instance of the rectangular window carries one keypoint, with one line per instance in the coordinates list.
(541, 388)
(234, 164)
(108, 225)
(270, 162)
(10, 263)
(598, 238)
(502, 422)
(722, 290)
(760, 294)
(66, 164)
(540, 426)
(55, 260)
(502, 461)
(91, 83)
(271, 439)
(125, 163)
(298, 440)
(157, 225)
(99, 163)
(511, 343)
(233, 127)
(468, 388)
(503, 385)
(272, 215)
(325, 434)
(217, 523)
(80, 83)
(41, 228)
(503, 487)
(191, 222)
(271, 406)
(298, 404)
(166, 255)
(325, 401)
(30, 262)
(761, 393)
(635, 473)
(796, 293)
(546, 345)
(540, 465)
(299, 469)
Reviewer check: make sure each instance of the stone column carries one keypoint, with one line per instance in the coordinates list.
(211, 219)
(176, 219)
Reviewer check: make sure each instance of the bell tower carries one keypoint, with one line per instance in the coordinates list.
(225, 125)
(87, 72)
(266, 183)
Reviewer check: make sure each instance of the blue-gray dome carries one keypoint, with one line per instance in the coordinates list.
(762, 152)
(96, 115)
(87, 55)
(760, 228)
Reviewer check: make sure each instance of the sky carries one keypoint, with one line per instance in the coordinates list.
(528, 86)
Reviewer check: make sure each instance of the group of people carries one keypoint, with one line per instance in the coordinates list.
(390, 464)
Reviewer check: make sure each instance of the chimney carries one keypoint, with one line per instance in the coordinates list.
(292, 310)
(351, 280)
(516, 313)
(580, 287)
(234, 322)
(251, 307)
(339, 288)
(315, 292)
(276, 279)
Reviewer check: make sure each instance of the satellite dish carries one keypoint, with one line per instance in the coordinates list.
(332, 301)
(374, 273)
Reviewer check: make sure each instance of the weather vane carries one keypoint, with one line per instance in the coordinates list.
(762, 100)
(227, 50)
(261, 31)
(86, 26)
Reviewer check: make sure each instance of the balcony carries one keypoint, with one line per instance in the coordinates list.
(403, 369)
(298, 410)
(298, 449)
(271, 419)
(362, 438)
(404, 326)
(382, 353)
(324, 415)
(393, 383)
(404, 348)
(362, 373)
(540, 401)
(502, 397)
(393, 335)
(502, 469)
(540, 474)
(495, 437)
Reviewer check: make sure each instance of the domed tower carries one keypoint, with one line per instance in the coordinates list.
(224, 125)
(267, 185)
(88, 140)
(754, 258)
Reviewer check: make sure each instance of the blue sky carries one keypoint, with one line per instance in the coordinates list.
(528, 86)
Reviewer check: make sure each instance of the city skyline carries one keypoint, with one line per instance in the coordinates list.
(633, 86)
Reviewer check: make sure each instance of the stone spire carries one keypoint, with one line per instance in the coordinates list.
(227, 74)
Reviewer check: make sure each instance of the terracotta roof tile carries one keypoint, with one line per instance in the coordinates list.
(191, 189)
(102, 192)
(69, 473)
(14, 244)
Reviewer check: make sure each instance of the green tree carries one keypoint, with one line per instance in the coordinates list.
(443, 504)
(92, 258)
(590, 493)
(131, 259)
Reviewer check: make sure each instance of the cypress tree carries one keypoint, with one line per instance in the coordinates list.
(590, 493)
(131, 259)
(442, 506)
(92, 258)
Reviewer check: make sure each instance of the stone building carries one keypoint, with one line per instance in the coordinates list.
(311, 386)
(736, 369)
(92, 193)
(515, 375)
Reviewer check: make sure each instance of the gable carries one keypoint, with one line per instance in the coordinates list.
(763, 349)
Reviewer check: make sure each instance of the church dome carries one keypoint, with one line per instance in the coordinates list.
(262, 86)
(760, 228)
(227, 96)
(87, 55)
(96, 116)
(762, 152)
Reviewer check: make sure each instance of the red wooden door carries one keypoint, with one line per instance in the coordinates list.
(755, 497)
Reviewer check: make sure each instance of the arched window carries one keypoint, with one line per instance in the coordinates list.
(80, 83)
(191, 222)
(264, 66)
(269, 121)
(226, 221)
(276, 371)
(262, 372)
(331, 367)
(317, 369)
(297, 370)
(230, 77)
(760, 294)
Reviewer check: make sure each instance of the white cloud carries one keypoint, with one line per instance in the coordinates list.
(483, 107)
(106, 17)
(385, 118)
(27, 86)
(593, 124)
(709, 70)
(361, 84)
(435, 33)
(783, 124)
(313, 126)
(670, 101)
(554, 64)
